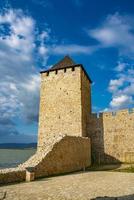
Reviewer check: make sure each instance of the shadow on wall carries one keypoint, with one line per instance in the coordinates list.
(112, 137)
(127, 197)
(96, 133)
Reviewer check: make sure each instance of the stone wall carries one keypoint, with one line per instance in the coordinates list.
(62, 154)
(112, 136)
(12, 175)
(60, 104)
(95, 133)
(85, 101)
(63, 108)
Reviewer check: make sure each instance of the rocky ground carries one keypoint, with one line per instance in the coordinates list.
(77, 186)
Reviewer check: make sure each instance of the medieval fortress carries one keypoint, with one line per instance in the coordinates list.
(70, 136)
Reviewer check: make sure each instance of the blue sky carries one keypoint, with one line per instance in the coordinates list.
(36, 34)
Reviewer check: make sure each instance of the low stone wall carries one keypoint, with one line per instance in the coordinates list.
(70, 154)
(60, 155)
(12, 175)
(65, 154)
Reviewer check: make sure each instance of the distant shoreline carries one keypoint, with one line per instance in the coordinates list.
(11, 158)
(18, 145)
(30, 148)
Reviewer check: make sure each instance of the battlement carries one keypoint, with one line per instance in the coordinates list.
(119, 112)
(65, 70)
(62, 71)
(126, 112)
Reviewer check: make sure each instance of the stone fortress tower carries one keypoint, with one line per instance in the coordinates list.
(70, 136)
(65, 108)
(65, 101)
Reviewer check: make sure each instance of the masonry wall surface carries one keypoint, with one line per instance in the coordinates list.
(12, 175)
(62, 104)
(70, 154)
(62, 154)
(85, 101)
(112, 136)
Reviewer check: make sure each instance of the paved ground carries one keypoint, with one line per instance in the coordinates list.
(78, 186)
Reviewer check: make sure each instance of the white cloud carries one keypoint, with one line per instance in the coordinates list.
(21, 43)
(43, 50)
(120, 101)
(73, 49)
(19, 78)
(32, 84)
(122, 87)
(115, 84)
(44, 35)
(120, 67)
(116, 31)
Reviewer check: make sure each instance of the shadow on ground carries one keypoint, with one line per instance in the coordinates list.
(127, 197)
(107, 167)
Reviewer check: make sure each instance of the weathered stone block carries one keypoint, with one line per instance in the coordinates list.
(30, 175)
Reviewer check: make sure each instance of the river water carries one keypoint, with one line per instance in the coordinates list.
(13, 157)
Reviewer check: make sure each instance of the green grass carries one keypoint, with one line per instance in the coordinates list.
(129, 170)
(113, 168)
(103, 167)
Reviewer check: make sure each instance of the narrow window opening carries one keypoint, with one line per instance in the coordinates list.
(56, 72)
(65, 70)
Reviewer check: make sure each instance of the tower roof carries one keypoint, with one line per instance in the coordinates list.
(66, 62)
